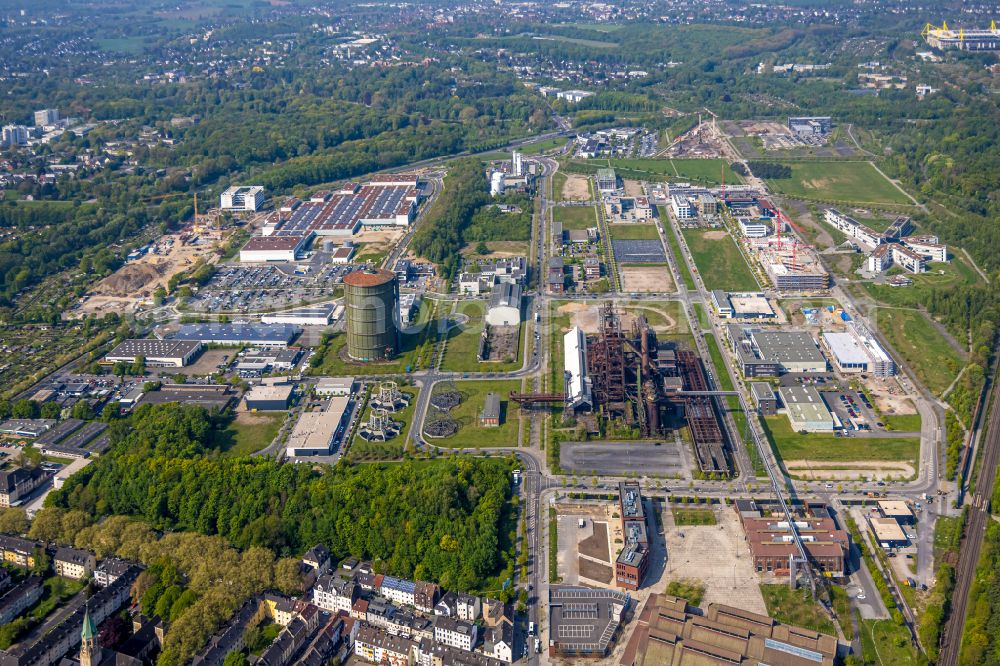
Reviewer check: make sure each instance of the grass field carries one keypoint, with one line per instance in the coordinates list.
(885, 643)
(685, 517)
(790, 445)
(701, 171)
(675, 248)
(542, 146)
(575, 217)
(463, 343)
(247, 438)
(471, 434)
(913, 336)
(853, 182)
(633, 232)
(796, 607)
(902, 422)
(558, 183)
(699, 311)
(720, 262)
(938, 276)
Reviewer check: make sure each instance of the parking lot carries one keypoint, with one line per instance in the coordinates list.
(247, 289)
(852, 406)
(613, 458)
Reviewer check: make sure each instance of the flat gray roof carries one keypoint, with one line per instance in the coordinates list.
(154, 348)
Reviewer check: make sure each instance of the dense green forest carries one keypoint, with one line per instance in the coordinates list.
(436, 521)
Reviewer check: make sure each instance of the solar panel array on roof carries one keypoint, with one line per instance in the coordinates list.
(638, 251)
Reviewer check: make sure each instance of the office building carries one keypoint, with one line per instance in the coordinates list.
(633, 561)
(607, 181)
(17, 483)
(15, 135)
(46, 117)
(805, 125)
(805, 409)
(167, 353)
(334, 386)
(764, 398)
(243, 198)
(682, 207)
(754, 228)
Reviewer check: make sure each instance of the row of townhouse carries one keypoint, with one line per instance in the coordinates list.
(380, 647)
(70, 563)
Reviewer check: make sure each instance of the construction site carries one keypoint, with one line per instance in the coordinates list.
(632, 378)
(790, 264)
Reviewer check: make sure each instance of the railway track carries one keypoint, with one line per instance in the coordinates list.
(972, 539)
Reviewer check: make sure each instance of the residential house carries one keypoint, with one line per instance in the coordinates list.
(498, 642)
(335, 594)
(446, 605)
(494, 612)
(318, 558)
(18, 483)
(21, 597)
(73, 563)
(379, 647)
(398, 590)
(18, 551)
(454, 632)
(468, 607)
(424, 596)
(109, 570)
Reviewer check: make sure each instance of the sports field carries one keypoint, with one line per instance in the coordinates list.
(719, 261)
(848, 182)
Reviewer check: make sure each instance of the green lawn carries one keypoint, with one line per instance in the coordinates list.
(796, 607)
(667, 318)
(849, 182)
(242, 439)
(362, 450)
(690, 590)
(460, 354)
(704, 171)
(685, 517)
(913, 336)
(733, 403)
(542, 146)
(719, 261)
(885, 643)
(699, 311)
(902, 422)
(575, 217)
(675, 248)
(634, 232)
(790, 445)
(471, 434)
(718, 362)
(558, 183)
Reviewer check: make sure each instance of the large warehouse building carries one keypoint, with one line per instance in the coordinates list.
(578, 395)
(313, 315)
(371, 296)
(164, 353)
(257, 335)
(770, 353)
(806, 409)
(318, 433)
(262, 249)
(858, 351)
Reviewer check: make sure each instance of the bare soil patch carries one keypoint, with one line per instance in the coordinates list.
(590, 569)
(849, 470)
(633, 188)
(576, 188)
(596, 545)
(646, 279)
(715, 235)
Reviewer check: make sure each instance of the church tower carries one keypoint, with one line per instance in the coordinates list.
(89, 651)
